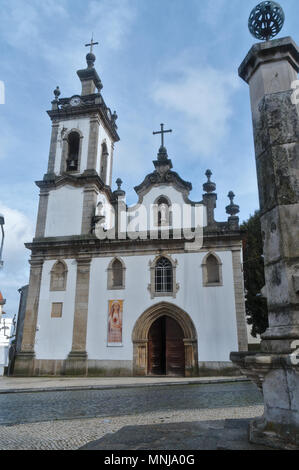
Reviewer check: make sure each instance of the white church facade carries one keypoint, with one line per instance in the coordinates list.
(114, 293)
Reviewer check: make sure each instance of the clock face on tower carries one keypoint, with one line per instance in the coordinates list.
(75, 101)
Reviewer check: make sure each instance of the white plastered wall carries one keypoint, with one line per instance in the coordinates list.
(54, 335)
(64, 213)
(212, 309)
(176, 200)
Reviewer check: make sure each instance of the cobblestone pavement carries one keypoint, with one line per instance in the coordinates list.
(19, 408)
(45, 420)
(72, 434)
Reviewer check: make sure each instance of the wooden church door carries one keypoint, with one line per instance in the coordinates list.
(166, 352)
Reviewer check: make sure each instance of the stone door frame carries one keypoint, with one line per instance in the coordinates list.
(141, 331)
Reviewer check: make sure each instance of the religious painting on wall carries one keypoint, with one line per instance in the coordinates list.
(115, 322)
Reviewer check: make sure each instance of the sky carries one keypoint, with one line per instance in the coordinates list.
(170, 61)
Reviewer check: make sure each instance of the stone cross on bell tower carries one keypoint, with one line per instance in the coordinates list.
(91, 44)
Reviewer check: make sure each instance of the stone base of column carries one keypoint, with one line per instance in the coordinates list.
(24, 364)
(76, 364)
(278, 377)
(273, 435)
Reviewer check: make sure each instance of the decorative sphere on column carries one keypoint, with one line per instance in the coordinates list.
(266, 20)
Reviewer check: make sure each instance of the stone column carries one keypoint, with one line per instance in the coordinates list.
(76, 363)
(24, 364)
(270, 69)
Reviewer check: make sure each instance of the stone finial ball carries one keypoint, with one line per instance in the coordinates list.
(266, 20)
(90, 59)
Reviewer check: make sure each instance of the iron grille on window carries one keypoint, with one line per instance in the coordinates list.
(163, 276)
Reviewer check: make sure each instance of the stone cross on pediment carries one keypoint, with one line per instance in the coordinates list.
(162, 132)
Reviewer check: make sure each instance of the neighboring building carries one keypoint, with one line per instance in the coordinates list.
(5, 330)
(121, 306)
(2, 302)
(6, 327)
(23, 291)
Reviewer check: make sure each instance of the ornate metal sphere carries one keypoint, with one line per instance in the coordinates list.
(266, 20)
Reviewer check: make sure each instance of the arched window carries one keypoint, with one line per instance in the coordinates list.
(104, 162)
(58, 276)
(212, 270)
(72, 162)
(163, 276)
(116, 274)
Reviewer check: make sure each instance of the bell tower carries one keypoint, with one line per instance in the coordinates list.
(84, 132)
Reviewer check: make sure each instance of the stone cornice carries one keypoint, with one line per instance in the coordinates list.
(269, 51)
(86, 178)
(90, 245)
(90, 105)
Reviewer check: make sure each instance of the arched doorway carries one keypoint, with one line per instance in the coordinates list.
(166, 351)
(183, 331)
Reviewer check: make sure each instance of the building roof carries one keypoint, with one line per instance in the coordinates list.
(2, 300)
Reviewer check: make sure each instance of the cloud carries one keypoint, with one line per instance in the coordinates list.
(27, 31)
(33, 30)
(113, 20)
(15, 272)
(53, 33)
(201, 99)
(211, 12)
(7, 138)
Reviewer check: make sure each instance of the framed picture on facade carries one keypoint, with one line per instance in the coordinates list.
(115, 322)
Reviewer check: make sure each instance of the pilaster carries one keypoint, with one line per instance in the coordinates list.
(111, 165)
(76, 363)
(24, 363)
(239, 300)
(93, 143)
(89, 207)
(42, 213)
(53, 147)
